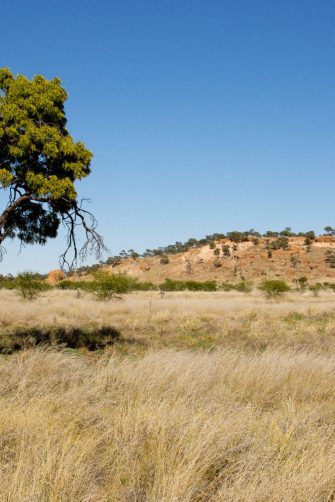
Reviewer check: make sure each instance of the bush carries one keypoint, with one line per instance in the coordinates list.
(280, 243)
(30, 285)
(330, 258)
(173, 285)
(329, 285)
(144, 286)
(7, 282)
(302, 283)
(316, 288)
(107, 286)
(274, 287)
(164, 260)
(242, 287)
(226, 250)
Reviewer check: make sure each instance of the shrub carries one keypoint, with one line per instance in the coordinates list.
(107, 286)
(226, 250)
(302, 283)
(329, 285)
(173, 285)
(236, 236)
(274, 287)
(30, 285)
(316, 288)
(7, 282)
(330, 258)
(295, 260)
(144, 286)
(280, 243)
(243, 287)
(164, 260)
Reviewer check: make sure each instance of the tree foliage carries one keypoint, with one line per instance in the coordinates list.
(39, 164)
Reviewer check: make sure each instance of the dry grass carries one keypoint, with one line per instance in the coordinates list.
(252, 419)
(184, 320)
(171, 426)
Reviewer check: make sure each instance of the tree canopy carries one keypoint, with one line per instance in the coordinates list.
(39, 164)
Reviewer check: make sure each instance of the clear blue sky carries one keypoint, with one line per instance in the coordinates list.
(203, 115)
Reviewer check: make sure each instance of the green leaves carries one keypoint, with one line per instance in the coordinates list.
(34, 138)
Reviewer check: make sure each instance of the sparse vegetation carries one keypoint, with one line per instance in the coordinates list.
(330, 258)
(235, 237)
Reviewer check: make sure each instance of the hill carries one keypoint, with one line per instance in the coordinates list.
(251, 258)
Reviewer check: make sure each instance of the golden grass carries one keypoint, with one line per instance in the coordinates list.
(170, 426)
(251, 419)
(184, 320)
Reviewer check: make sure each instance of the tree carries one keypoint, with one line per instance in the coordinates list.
(39, 164)
(329, 230)
(274, 287)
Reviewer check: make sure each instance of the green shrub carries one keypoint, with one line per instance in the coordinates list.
(274, 287)
(329, 285)
(173, 285)
(30, 285)
(7, 282)
(107, 286)
(280, 243)
(316, 288)
(144, 286)
(226, 286)
(302, 283)
(243, 287)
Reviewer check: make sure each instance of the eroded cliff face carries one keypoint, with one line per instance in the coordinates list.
(253, 259)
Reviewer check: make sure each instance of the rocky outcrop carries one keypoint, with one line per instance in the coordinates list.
(55, 276)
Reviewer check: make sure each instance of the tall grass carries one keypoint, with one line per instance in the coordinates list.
(170, 426)
(205, 397)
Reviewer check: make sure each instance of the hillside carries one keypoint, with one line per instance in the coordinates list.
(252, 259)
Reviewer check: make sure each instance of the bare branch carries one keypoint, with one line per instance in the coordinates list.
(94, 243)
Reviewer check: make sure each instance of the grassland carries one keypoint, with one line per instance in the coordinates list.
(202, 397)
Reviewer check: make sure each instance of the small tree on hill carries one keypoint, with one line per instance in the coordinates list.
(329, 230)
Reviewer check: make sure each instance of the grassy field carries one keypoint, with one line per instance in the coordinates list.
(201, 397)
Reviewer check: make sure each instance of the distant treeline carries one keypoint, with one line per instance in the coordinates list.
(234, 236)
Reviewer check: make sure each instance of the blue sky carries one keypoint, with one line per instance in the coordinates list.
(203, 116)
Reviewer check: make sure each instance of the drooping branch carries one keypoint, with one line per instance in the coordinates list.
(73, 218)
(93, 243)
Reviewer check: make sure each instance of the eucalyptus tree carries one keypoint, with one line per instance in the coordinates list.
(39, 165)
